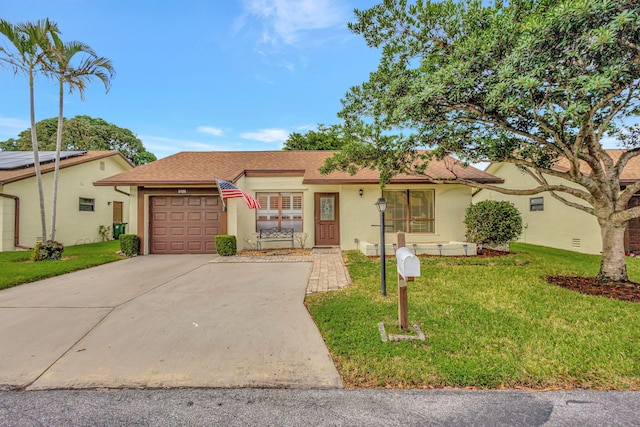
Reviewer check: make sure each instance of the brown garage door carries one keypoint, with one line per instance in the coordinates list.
(184, 224)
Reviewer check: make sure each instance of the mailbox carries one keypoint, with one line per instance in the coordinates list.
(408, 263)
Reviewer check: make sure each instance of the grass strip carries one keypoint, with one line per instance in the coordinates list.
(17, 268)
(489, 322)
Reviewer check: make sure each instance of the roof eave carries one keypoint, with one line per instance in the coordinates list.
(399, 181)
(148, 183)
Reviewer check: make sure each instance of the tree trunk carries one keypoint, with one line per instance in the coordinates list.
(613, 267)
(36, 157)
(54, 199)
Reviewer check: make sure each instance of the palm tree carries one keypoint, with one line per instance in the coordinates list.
(76, 77)
(31, 44)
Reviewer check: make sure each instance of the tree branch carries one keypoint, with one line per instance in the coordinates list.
(626, 195)
(624, 159)
(583, 195)
(626, 215)
(583, 208)
(614, 111)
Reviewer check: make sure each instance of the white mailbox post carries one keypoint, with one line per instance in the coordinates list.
(408, 267)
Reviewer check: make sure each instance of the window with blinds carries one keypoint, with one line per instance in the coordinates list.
(411, 211)
(281, 210)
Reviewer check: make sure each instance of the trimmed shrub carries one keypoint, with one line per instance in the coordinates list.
(129, 244)
(493, 222)
(50, 250)
(226, 244)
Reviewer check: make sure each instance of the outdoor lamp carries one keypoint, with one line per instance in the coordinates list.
(361, 192)
(381, 204)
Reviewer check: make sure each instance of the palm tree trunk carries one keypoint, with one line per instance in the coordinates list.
(36, 157)
(54, 198)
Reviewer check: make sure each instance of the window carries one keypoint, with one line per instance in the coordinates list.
(411, 211)
(281, 210)
(536, 204)
(87, 205)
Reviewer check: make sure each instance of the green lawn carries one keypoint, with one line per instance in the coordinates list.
(490, 323)
(17, 268)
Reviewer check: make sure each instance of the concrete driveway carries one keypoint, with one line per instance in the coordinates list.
(164, 321)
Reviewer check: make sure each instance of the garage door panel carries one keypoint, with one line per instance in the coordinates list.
(177, 246)
(194, 231)
(195, 246)
(177, 231)
(184, 224)
(159, 246)
(159, 231)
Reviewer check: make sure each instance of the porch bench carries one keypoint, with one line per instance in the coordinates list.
(275, 235)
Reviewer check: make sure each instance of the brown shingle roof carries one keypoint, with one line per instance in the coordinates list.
(630, 173)
(202, 168)
(8, 176)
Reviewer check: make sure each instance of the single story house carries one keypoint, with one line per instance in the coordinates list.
(549, 222)
(81, 207)
(177, 206)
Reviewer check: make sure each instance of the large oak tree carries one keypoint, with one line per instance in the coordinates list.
(84, 133)
(531, 82)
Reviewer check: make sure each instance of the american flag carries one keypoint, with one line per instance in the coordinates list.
(230, 191)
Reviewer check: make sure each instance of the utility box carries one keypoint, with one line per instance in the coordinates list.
(408, 264)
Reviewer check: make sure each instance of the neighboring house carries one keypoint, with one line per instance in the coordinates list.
(178, 209)
(549, 222)
(82, 207)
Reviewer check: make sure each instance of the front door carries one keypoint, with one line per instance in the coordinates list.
(117, 211)
(327, 214)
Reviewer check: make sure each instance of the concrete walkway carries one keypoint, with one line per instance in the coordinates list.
(328, 274)
(164, 321)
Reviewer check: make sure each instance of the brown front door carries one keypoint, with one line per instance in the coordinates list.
(117, 211)
(327, 214)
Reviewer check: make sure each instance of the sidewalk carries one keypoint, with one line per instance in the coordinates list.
(328, 274)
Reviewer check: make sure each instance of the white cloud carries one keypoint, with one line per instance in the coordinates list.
(267, 135)
(286, 20)
(210, 130)
(10, 127)
(307, 127)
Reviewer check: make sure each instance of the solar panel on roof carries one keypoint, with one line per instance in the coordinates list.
(24, 159)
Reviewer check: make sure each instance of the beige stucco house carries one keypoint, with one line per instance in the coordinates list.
(82, 207)
(549, 222)
(178, 209)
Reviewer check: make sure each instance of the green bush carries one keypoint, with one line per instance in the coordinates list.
(226, 245)
(129, 244)
(50, 250)
(493, 222)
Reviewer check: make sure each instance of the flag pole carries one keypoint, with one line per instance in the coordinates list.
(224, 206)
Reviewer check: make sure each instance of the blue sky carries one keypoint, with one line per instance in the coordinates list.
(201, 75)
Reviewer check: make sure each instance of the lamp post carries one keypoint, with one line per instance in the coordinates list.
(381, 204)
